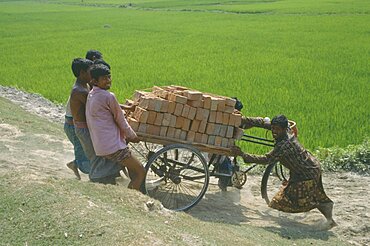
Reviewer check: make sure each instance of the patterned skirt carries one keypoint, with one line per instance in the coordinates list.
(303, 196)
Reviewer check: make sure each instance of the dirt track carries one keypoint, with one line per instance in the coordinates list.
(48, 154)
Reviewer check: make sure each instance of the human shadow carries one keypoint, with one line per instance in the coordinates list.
(220, 206)
(225, 207)
(292, 228)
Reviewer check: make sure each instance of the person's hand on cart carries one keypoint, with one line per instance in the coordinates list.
(236, 151)
(132, 140)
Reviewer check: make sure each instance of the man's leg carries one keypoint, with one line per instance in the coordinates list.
(70, 132)
(136, 172)
(327, 210)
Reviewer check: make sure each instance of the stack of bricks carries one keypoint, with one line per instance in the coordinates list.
(179, 113)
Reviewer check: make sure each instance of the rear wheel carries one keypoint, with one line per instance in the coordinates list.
(273, 177)
(177, 175)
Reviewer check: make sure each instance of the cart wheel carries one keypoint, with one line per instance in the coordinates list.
(177, 175)
(273, 177)
(144, 150)
(238, 179)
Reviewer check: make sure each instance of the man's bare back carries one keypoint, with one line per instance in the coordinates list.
(78, 101)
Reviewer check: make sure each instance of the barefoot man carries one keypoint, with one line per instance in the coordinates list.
(303, 191)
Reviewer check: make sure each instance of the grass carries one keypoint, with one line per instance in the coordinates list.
(308, 60)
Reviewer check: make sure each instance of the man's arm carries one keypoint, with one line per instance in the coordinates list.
(266, 159)
(120, 119)
(249, 122)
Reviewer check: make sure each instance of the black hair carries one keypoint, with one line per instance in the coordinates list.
(79, 64)
(93, 55)
(280, 120)
(101, 61)
(98, 70)
(238, 105)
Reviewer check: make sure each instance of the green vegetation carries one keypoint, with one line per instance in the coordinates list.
(354, 158)
(306, 59)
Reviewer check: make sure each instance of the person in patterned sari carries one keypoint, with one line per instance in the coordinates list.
(304, 190)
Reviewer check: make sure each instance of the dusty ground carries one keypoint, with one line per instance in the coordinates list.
(48, 154)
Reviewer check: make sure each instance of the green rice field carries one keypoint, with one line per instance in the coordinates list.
(307, 59)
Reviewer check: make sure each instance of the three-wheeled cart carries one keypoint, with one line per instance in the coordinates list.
(178, 172)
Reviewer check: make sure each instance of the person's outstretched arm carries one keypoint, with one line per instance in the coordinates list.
(249, 122)
(119, 118)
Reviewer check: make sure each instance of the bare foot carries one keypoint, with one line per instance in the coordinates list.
(71, 165)
(327, 225)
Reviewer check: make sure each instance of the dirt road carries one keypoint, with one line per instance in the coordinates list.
(41, 154)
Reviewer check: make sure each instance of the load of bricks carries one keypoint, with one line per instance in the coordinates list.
(179, 113)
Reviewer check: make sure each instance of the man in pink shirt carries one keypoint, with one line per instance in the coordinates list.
(109, 129)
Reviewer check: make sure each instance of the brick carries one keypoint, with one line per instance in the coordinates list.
(210, 128)
(196, 104)
(238, 133)
(171, 107)
(133, 123)
(207, 100)
(163, 131)
(178, 109)
(173, 121)
(192, 113)
(138, 95)
(211, 140)
(157, 104)
(179, 122)
(202, 114)
(238, 120)
(151, 117)
(166, 119)
(219, 117)
(160, 92)
(158, 119)
(195, 126)
(193, 95)
(231, 142)
(229, 109)
(204, 138)
(218, 140)
(143, 128)
(177, 133)
(225, 118)
(183, 135)
(202, 126)
(212, 116)
(214, 103)
(185, 111)
(144, 103)
(198, 137)
(191, 136)
(199, 115)
(230, 131)
(217, 129)
(223, 131)
(171, 132)
(186, 125)
(153, 130)
(230, 102)
(224, 142)
(181, 99)
(171, 97)
(141, 114)
(164, 106)
(231, 120)
(177, 98)
(221, 106)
